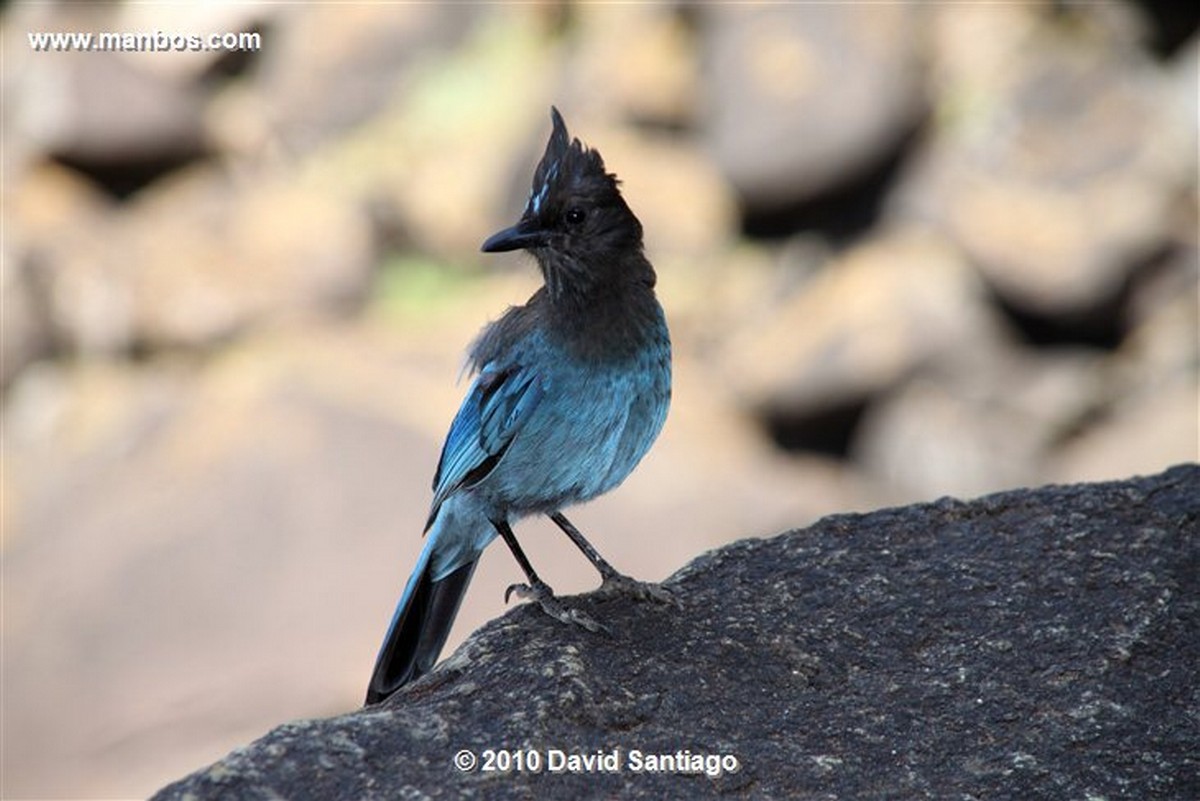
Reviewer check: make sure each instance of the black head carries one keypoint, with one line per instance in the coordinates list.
(575, 222)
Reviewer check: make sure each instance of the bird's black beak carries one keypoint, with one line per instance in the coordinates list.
(524, 234)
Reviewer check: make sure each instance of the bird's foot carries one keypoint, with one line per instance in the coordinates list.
(544, 596)
(619, 584)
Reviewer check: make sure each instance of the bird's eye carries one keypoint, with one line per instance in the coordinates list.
(575, 215)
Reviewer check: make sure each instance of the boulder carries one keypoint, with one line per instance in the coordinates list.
(860, 326)
(1032, 644)
(802, 97)
(1057, 158)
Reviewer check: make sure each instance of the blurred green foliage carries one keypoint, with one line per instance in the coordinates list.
(411, 284)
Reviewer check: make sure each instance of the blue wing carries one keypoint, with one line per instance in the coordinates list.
(498, 403)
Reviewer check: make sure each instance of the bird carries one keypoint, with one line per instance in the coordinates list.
(568, 393)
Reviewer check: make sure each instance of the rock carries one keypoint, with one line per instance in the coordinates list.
(862, 324)
(1055, 164)
(192, 260)
(24, 325)
(1173, 27)
(1163, 318)
(1149, 414)
(981, 427)
(103, 113)
(1181, 96)
(1038, 638)
(111, 111)
(216, 256)
(636, 61)
(64, 231)
(356, 60)
(787, 118)
(1141, 432)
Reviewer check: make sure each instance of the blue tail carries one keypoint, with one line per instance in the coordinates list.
(420, 625)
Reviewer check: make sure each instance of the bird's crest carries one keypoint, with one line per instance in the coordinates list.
(565, 160)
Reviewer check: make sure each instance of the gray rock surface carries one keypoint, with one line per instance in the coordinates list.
(100, 109)
(1056, 222)
(788, 119)
(1032, 644)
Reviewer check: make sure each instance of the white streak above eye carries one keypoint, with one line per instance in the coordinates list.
(534, 204)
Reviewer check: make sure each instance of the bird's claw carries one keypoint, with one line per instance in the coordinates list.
(522, 591)
(620, 584)
(552, 606)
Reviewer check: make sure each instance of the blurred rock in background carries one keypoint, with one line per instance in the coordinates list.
(804, 99)
(906, 251)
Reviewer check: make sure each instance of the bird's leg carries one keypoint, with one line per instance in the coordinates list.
(538, 590)
(612, 580)
(607, 571)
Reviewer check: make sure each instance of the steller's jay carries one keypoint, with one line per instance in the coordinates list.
(570, 391)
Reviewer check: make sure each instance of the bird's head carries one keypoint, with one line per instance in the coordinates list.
(575, 222)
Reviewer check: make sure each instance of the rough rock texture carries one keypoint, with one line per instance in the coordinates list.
(1032, 644)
